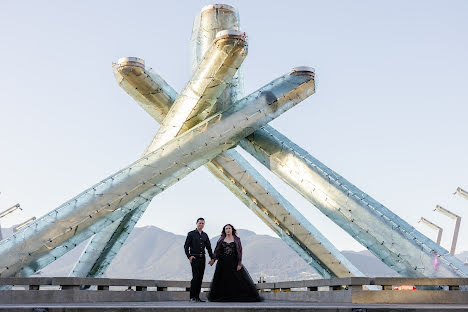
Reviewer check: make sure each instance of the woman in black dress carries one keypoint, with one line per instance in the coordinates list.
(231, 281)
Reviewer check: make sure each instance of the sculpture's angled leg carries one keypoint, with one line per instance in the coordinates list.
(264, 200)
(197, 100)
(152, 92)
(104, 246)
(389, 237)
(26, 251)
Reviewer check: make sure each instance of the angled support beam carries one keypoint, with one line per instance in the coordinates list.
(266, 202)
(390, 238)
(31, 248)
(105, 245)
(197, 100)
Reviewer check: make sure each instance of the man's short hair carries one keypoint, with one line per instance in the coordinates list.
(200, 219)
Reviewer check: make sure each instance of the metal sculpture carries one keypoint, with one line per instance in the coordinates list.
(200, 126)
(158, 98)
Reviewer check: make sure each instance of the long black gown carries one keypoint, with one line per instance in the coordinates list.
(229, 284)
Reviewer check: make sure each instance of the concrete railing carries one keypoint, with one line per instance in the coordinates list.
(370, 290)
(335, 290)
(76, 289)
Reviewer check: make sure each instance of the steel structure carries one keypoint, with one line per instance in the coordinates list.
(248, 185)
(203, 133)
(389, 237)
(198, 99)
(456, 230)
(229, 167)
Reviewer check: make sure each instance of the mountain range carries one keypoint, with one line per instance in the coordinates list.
(152, 253)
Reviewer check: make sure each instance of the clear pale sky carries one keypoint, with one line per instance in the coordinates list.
(390, 113)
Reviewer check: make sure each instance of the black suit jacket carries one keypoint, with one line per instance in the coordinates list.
(195, 244)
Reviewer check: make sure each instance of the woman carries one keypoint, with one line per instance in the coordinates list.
(231, 281)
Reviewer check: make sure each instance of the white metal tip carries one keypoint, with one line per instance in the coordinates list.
(230, 33)
(219, 6)
(131, 61)
(302, 70)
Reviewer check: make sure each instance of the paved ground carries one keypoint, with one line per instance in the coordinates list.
(218, 307)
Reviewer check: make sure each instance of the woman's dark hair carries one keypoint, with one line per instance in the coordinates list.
(234, 231)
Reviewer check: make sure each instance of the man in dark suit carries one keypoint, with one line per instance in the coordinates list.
(194, 247)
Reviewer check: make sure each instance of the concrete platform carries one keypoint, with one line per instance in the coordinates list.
(282, 306)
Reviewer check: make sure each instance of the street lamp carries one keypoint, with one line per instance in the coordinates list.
(457, 218)
(24, 224)
(7, 212)
(10, 210)
(433, 226)
(461, 192)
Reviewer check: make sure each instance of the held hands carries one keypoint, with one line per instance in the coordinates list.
(191, 258)
(212, 261)
(239, 267)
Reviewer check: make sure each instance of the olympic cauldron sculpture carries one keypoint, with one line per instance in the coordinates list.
(200, 126)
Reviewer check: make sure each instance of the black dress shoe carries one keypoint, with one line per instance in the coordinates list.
(193, 300)
(199, 300)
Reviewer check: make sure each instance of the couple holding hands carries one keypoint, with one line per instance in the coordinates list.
(231, 281)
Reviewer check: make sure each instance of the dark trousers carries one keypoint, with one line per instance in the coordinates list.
(198, 269)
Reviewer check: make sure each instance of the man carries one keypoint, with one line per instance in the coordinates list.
(194, 246)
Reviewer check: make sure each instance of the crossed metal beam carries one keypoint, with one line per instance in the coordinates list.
(229, 167)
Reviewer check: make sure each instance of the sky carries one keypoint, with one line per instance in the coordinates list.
(389, 113)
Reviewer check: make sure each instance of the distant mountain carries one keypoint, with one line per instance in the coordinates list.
(152, 253)
(160, 255)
